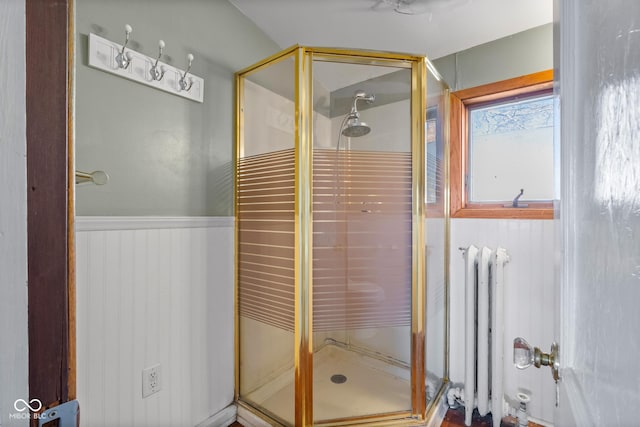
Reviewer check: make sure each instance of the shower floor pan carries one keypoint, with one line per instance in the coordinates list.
(346, 384)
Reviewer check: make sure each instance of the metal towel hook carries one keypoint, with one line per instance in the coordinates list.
(124, 59)
(97, 177)
(156, 73)
(184, 84)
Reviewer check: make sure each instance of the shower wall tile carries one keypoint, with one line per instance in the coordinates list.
(529, 300)
(150, 292)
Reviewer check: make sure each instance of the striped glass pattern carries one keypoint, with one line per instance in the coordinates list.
(361, 239)
(266, 238)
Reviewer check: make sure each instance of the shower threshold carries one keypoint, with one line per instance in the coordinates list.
(346, 384)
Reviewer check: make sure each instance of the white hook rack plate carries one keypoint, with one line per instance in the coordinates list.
(102, 55)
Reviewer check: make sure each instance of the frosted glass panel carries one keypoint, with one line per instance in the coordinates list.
(511, 148)
(265, 222)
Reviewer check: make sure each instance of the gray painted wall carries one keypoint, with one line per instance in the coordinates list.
(516, 55)
(166, 156)
(14, 356)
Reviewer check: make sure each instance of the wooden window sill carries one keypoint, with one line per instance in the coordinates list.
(504, 213)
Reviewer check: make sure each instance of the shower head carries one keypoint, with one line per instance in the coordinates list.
(353, 126)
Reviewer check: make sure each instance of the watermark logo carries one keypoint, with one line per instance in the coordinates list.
(23, 407)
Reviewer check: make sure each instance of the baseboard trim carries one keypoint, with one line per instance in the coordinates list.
(249, 419)
(108, 223)
(440, 411)
(223, 418)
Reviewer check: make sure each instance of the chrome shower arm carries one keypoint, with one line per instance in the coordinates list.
(361, 96)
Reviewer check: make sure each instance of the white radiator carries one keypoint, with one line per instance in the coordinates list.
(484, 313)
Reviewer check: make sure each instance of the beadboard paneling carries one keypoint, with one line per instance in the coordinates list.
(147, 296)
(529, 300)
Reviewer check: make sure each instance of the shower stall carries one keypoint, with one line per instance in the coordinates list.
(341, 238)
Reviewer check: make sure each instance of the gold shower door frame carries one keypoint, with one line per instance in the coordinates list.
(303, 220)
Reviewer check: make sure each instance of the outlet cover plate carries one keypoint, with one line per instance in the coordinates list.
(151, 380)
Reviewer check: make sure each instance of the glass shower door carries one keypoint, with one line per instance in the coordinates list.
(362, 255)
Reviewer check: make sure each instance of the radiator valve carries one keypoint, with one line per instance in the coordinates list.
(523, 419)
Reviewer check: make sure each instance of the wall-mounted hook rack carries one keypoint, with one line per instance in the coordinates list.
(103, 55)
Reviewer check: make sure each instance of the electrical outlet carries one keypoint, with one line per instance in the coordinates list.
(151, 380)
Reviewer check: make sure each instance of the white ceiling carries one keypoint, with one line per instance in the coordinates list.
(446, 27)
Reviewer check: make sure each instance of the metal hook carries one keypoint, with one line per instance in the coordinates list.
(97, 177)
(184, 85)
(123, 60)
(157, 74)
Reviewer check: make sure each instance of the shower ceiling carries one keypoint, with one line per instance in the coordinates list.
(370, 24)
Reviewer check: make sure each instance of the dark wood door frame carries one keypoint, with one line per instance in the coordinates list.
(51, 301)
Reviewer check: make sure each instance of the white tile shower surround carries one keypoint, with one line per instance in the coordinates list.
(372, 387)
(154, 290)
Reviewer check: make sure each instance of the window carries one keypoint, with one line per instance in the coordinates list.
(502, 143)
(434, 165)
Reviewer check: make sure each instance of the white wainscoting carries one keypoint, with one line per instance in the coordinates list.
(149, 291)
(529, 300)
